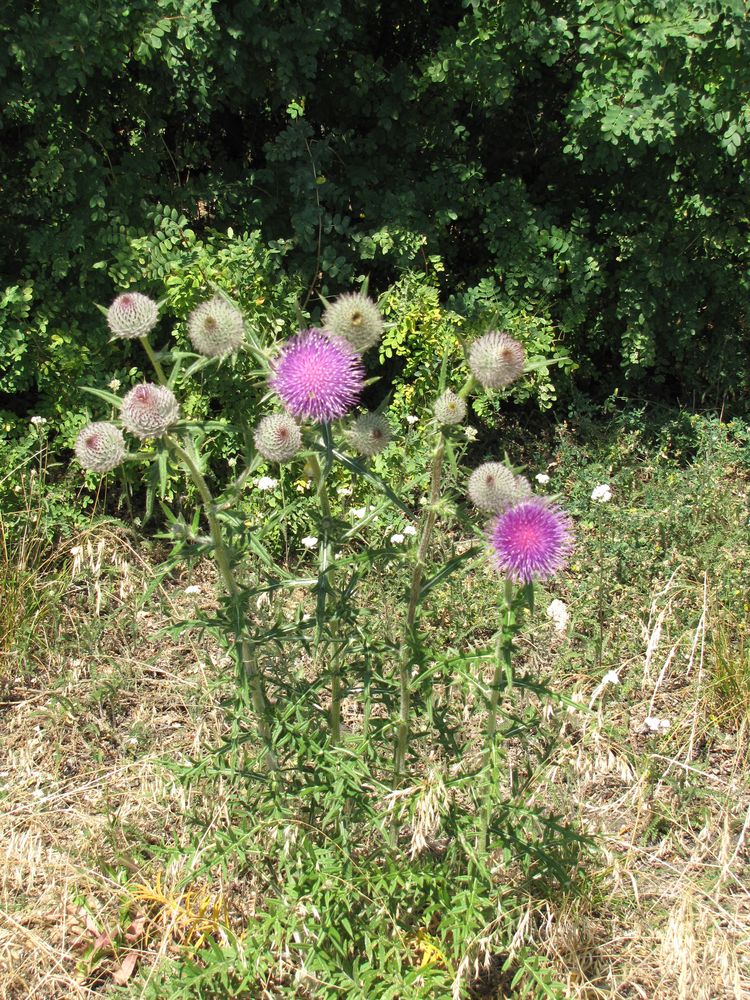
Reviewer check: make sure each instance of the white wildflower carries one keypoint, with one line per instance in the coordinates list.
(410, 530)
(192, 589)
(114, 384)
(411, 419)
(611, 677)
(267, 483)
(310, 541)
(397, 538)
(656, 725)
(542, 477)
(558, 613)
(344, 491)
(38, 421)
(602, 493)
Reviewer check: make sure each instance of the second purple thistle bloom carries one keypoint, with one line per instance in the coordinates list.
(530, 541)
(317, 377)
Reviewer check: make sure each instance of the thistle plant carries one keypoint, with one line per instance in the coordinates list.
(309, 385)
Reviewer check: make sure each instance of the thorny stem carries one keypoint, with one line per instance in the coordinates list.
(325, 558)
(503, 665)
(249, 673)
(160, 376)
(408, 641)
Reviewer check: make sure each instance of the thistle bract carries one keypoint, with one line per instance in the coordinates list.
(450, 408)
(317, 376)
(356, 318)
(496, 360)
(149, 410)
(370, 434)
(216, 328)
(132, 315)
(100, 447)
(530, 541)
(493, 487)
(277, 437)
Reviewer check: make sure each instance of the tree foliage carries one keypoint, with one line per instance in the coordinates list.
(580, 162)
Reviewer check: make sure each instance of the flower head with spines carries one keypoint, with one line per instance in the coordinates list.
(494, 487)
(356, 318)
(216, 328)
(277, 437)
(132, 315)
(496, 360)
(450, 408)
(370, 434)
(530, 541)
(148, 410)
(100, 447)
(317, 376)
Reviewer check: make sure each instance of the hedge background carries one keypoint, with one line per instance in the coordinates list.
(579, 167)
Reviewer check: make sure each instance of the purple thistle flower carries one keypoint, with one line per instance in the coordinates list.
(530, 541)
(317, 376)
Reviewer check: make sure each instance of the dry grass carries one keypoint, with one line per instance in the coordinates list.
(82, 794)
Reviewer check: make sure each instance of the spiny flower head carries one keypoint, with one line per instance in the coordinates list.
(356, 318)
(132, 315)
(149, 410)
(216, 328)
(450, 408)
(530, 541)
(492, 486)
(100, 447)
(496, 360)
(370, 434)
(318, 376)
(277, 437)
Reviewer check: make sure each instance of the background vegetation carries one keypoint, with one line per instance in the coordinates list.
(574, 171)
(580, 166)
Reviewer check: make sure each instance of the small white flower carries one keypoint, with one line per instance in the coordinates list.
(359, 512)
(397, 539)
(344, 491)
(310, 541)
(231, 462)
(411, 419)
(602, 494)
(558, 613)
(114, 385)
(656, 725)
(410, 530)
(611, 677)
(76, 550)
(267, 483)
(542, 477)
(471, 433)
(38, 421)
(192, 589)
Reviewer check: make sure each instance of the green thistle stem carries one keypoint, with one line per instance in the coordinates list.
(325, 558)
(249, 673)
(503, 666)
(160, 376)
(409, 639)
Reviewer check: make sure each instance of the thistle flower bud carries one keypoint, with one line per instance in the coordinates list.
(149, 410)
(356, 318)
(496, 360)
(492, 486)
(132, 315)
(450, 408)
(100, 447)
(216, 328)
(277, 437)
(370, 434)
